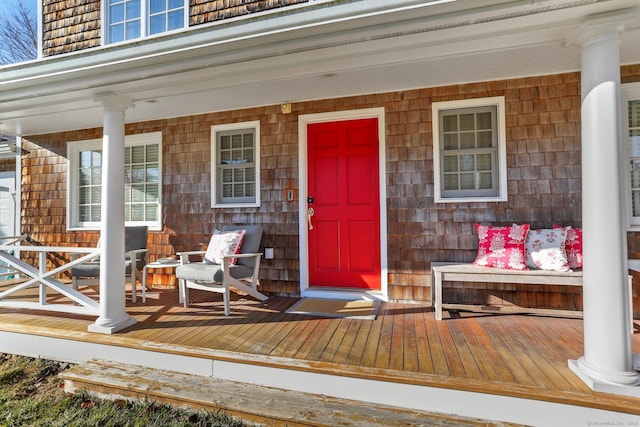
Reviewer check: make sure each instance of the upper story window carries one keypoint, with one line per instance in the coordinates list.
(469, 150)
(132, 19)
(235, 170)
(632, 137)
(143, 171)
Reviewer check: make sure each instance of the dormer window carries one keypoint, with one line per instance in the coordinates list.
(132, 19)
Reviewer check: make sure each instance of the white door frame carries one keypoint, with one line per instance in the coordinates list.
(303, 121)
(13, 193)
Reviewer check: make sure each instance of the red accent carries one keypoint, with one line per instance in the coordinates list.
(343, 171)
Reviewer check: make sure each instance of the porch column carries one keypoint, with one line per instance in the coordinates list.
(113, 316)
(607, 361)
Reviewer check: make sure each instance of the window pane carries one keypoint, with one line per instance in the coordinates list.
(467, 140)
(95, 213)
(635, 174)
(116, 13)
(153, 173)
(634, 142)
(137, 193)
(84, 213)
(152, 212)
(152, 193)
(157, 24)
(137, 212)
(85, 195)
(467, 122)
(451, 182)
(450, 164)
(250, 190)
(133, 10)
(176, 20)
(153, 153)
(635, 202)
(137, 174)
(132, 30)
(116, 33)
(96, 195)
(227, 175)
(158, 6)
(450, 123)
(467, 163)
(484, 139)
(173, 4)
(96, 176)
(483, 162)
(137, 154)
(467, 181)
(450, 141)
(483, 121)
(485, 181)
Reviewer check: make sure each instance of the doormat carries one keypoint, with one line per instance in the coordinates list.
(345, 309)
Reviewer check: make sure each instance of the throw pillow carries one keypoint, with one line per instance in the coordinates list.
(573, 247)
(224, 243)
(545, 249)
(502, 247)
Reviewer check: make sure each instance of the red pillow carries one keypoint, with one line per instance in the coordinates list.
(502, 247)
(573, 247)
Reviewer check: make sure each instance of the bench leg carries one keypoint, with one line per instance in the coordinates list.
(436, 282)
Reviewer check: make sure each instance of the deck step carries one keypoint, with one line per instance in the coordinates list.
(251, 403)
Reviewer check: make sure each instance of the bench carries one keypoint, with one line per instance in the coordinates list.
(456, 272)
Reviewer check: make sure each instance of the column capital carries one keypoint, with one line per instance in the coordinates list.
(602, 27)
(111, 101)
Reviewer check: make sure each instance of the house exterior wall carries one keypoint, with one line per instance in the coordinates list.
(543, 167)
(72, 26)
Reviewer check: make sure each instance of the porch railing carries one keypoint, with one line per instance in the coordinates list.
(80, 303)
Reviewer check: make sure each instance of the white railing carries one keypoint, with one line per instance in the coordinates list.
(81, 304)
(7, 272)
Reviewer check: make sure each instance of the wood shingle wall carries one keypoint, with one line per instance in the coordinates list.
(544, 179)
(68, 26)
(72, 25)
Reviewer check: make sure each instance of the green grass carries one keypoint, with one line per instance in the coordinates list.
(32, 394)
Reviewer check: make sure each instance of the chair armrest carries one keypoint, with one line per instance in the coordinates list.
(184, 256)
(242, 255)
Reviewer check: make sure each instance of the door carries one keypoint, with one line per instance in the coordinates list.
(344, 204)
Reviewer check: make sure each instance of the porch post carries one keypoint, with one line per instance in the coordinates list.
(607, 361)
(113, 316)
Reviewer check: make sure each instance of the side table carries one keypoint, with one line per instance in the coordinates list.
(155, 264)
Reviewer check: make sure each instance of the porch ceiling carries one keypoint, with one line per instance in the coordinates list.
(311, 52)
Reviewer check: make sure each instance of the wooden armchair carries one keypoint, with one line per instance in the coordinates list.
(220, 277)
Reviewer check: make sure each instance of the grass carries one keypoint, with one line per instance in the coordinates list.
(32, 394)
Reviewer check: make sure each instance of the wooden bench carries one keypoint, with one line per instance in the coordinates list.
(455, 272)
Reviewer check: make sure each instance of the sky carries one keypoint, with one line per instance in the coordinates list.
(8, 4)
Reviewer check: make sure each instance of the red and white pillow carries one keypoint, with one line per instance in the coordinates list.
(573, 247)
(224, 243)
(545, 249)
(502, 247)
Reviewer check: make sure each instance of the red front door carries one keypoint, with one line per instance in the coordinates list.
(344, 194)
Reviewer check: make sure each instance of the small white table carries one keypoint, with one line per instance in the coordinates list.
(156, 264)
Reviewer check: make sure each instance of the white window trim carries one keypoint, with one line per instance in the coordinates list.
(497, 101)
(144, 24)
(214, 153)
(630, 92)
(74, 147)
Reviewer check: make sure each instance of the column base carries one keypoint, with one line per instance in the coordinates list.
(622, 383)
(111, 326)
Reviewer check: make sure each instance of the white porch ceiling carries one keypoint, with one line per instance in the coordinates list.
(315, 52)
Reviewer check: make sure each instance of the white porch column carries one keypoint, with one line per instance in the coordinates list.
(607, 361)
(113, 316)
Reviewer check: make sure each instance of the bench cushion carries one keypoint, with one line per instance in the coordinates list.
(502, 247)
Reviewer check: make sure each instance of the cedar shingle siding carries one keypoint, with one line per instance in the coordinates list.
(70, 25)
(544, 179)
(203, 11)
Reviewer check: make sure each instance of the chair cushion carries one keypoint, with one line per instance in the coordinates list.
(250, 243)
(203, 272)
(92, 269)
(224, 243)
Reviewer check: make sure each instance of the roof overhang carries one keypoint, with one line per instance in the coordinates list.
(321, 50)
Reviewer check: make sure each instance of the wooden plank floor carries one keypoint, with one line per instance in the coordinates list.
(514, 355)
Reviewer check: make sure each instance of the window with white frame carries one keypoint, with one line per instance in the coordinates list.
(132, 19)
(469, 150)
(142, 192)
(631, 97)
(235, 160)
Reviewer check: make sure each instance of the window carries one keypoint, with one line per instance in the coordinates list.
(142, 191)
(132, 19)
(632, 127)
(469, 152)
(235, 154)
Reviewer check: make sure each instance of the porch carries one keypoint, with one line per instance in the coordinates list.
(509, 368)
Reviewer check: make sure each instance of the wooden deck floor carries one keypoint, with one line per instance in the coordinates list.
(511, 355)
